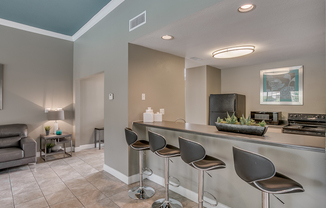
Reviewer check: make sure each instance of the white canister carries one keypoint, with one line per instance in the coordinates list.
(158, 117)
(148, 116)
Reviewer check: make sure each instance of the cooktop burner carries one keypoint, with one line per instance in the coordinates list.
(306, 124)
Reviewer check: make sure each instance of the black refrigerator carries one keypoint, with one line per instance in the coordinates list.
(221, 104)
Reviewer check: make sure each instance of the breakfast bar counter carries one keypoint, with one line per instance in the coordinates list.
(300, 157)
(310, 143)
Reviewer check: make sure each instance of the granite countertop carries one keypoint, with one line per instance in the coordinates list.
(309, 143)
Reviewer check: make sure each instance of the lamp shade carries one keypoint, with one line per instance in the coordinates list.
(56, 115)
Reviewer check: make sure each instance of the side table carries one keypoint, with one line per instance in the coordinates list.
(61, 139)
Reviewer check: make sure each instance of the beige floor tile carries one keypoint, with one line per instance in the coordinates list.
(112, 190)
(76, 182)
(18, 174)
(53, 189)
(122, 199)
(82, 189)
(72, 203)
(137, 205)
(91, 197)
(103, 183)
(36, 203)
(27, 196)
(70, 175)
(59, 196)
(5, 186)
(5, 193)
(49, 182)
(27, 187)
(99, 175)
(6, 202)
(18, 182)
(104, 203)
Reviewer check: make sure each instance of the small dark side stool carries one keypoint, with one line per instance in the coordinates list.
(259, 172)
(194, 154)
(141, 191)
(159, 147)
(95, 139)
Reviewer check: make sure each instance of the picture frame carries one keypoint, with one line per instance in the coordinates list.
(282, 86)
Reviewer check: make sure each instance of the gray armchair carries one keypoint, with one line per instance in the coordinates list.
(15, 147)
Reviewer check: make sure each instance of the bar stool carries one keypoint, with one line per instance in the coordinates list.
(157, 144)
(194, 154)
(96, 129)
(141, 192)
(259, 172)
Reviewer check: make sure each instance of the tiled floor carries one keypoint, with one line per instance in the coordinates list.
(74, 182)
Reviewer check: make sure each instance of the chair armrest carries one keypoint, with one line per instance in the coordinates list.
(29, 146)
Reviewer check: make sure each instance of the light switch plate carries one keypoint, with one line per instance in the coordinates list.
(143, 96)
(162, 111)
(111, 96)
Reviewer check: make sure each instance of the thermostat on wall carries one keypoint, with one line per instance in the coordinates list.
(111, 96)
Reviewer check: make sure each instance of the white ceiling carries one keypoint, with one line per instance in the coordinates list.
(280, 30)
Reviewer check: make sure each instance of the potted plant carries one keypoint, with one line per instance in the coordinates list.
(49, 147)
(47, 130)
(245, 126)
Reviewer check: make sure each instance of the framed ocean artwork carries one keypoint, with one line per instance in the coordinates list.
(282, 86)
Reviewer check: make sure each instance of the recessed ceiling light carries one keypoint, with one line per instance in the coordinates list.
(167, 37)
(233, 52)
(246, 8)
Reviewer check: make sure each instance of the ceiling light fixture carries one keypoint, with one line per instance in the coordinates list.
(167, 37)
(233, 52)
(246, 8)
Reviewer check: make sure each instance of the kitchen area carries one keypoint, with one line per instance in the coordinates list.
(285, 91)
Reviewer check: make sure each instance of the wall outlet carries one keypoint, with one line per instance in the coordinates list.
(143, 96)
(162, 111)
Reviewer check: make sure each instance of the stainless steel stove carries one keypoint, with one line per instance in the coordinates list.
(306, 124)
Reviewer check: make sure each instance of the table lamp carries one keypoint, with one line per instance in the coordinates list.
(56, 115)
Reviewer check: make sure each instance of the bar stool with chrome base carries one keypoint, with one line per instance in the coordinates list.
(259, 172)
(158, 145)
(141, 192)
(194, 154)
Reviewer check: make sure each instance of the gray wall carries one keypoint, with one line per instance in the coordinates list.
(161, 77)
(246, 80)
(37, 74)
(92, 107)
(200, 83)
(105, 48)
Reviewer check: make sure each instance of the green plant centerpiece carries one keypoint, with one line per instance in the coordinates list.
(243, 125)
(49, 147)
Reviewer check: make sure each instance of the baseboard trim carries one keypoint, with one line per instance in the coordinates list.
(122, 177)
(87, 146)
(193, 196)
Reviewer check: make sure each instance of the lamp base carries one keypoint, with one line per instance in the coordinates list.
(55, 127)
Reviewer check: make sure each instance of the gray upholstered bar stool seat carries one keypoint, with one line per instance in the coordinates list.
(158, 146)
(139, 192)
(194, 154)
(259, 172)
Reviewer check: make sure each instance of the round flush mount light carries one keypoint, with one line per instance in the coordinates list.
(233, 52)
(246, 8)
(167, 37)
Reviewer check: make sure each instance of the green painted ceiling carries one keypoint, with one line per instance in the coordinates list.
(60, 16)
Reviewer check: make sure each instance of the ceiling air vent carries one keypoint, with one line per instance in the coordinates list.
(137, 21)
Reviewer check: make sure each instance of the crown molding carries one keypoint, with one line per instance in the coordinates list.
(34, 30)
(96, 18)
